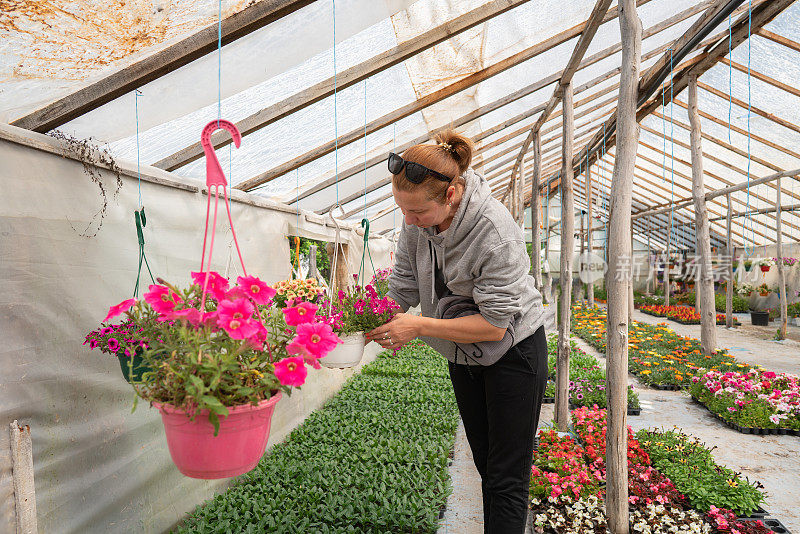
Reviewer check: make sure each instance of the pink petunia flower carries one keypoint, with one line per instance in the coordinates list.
(192, 315)
(300, 314)
(256, 289)
(291, 371)
(301, 350)
(238, 328)
(113, 344)
(161, 298)
(318, 338)
(120, 308)
(235, 309)
(217, 284)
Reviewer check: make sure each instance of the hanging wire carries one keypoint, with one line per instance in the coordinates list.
(748, 216)
(394, 149)
(335, 116)
(137, 93)
(219, 64)
(365, 148)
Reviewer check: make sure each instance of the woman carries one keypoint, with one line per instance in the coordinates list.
(460, 250)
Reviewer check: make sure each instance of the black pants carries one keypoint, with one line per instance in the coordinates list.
(500, 406)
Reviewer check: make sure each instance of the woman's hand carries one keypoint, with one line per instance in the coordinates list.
(401, 329)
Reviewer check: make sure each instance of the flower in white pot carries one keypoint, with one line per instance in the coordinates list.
(353, 312)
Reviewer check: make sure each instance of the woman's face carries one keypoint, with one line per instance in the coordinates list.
(418, 209)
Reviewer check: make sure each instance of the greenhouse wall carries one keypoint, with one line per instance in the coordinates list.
(99, 467)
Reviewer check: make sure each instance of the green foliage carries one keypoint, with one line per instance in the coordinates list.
(600, 292)
(740, 304)
(203, 368)
(587, 378)
(691, 467)
(372, 459)
(793, 310)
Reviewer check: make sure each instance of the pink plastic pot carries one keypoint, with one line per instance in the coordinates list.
(237, 449)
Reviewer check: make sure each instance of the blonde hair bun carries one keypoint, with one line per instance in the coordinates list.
(458, 146)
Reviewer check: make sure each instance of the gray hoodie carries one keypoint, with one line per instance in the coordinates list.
(482, 256)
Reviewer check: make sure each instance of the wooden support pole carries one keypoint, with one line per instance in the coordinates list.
(536, 206)
(630, 280)
(22, 473)
(729, 284)
(704, 288)
(313, 271)
(781, 269)
(548, 276)
(567, 247)
(521, 199)
(580, 287)
(619, 248)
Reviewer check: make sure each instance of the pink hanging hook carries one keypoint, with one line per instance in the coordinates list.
(215, 178)
(214, 174)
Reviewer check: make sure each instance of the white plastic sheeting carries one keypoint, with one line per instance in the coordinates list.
(99, 468)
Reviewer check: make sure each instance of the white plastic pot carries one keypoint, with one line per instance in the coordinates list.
(346, 354)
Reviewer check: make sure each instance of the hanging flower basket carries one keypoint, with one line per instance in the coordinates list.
(347, 354)
(764, 268)
(236, 449)
(748, 265)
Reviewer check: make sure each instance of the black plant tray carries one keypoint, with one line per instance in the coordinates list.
(749, 430)
(758, 513)
(771, 523)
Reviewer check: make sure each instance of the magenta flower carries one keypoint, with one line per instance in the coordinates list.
(217, 284)
(162, 299)
(235, 309)
(92, 344)
(291, 371)
(192, 315)
(238, 328)
(301, 350)
(122, 307)
(300, 314)
(257, 290)
(113, 344)
(318, 338)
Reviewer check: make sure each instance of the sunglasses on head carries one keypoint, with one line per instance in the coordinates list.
(415, 172)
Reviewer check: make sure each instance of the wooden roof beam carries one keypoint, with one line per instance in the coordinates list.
(156, 65)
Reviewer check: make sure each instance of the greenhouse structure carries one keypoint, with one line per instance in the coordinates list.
(570, 304)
